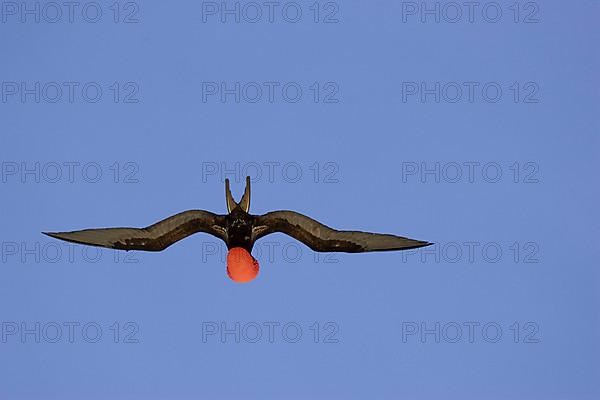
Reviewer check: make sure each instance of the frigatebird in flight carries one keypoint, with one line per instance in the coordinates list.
(239, 230)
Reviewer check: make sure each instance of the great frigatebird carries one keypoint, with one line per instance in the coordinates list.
(240, 230)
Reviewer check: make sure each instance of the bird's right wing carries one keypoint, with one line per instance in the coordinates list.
(155, 237)
(322, 238)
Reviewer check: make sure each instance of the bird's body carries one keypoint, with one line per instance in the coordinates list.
(239, 230)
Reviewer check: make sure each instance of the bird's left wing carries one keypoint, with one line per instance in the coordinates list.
(155, 237)
(322, 238)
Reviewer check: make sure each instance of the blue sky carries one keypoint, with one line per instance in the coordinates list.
(477, 135)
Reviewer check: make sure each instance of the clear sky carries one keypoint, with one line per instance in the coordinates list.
(474, 127)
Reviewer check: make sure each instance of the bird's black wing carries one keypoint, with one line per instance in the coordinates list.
(322, 238)
(155, 237)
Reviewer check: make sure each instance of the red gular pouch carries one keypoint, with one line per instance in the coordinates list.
(241, 266)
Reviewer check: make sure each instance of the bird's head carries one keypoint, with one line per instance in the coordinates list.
(241, 266)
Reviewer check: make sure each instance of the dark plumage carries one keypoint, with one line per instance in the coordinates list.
(238, 228)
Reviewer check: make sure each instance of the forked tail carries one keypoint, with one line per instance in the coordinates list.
(244, 203)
